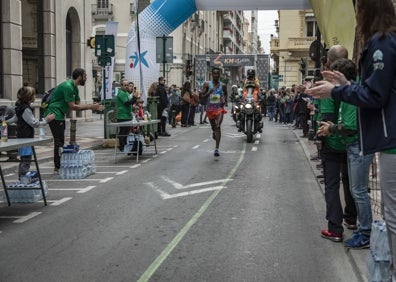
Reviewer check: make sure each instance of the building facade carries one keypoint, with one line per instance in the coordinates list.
(296, 31)
(42, 41)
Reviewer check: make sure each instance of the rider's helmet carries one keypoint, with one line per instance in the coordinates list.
(251, 74)
(234, 87)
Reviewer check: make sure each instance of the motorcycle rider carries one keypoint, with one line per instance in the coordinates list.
(235, 97)
(251, 82)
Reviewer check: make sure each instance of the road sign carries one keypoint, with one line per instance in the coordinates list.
(104, 46)
(104, 61)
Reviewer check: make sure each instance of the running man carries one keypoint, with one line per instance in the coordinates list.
(215, 94)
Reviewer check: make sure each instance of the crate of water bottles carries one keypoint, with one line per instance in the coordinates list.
(77, 165)
(25, 193)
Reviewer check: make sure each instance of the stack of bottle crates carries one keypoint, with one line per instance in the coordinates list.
(22, 195)
(76, 164)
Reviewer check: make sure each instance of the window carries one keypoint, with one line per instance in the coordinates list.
(310, 25)
(103, 4)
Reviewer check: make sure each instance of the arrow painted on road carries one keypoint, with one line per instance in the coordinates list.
(180, 186)
(164, 195)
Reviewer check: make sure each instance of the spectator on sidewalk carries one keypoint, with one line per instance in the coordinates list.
(271, 101)
(375, 97)
(162, 106)
(185, 104)
(193, 107)
(124, 111)
(358, 165)
(26, 123)
(64, 98)
(334, 159)
(174, 100)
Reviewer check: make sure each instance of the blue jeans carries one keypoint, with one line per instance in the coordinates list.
(271, 112)
(358, 171)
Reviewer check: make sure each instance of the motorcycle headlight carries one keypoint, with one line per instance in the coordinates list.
(248, 106)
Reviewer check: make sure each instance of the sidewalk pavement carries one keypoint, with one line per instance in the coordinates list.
(358, 258)
(90, 135)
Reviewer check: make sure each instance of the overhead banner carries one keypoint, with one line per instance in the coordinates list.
(248, 5)
(162, 17)
(336, 20)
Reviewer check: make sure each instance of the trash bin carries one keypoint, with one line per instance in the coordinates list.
(109, 114)
(152, 104)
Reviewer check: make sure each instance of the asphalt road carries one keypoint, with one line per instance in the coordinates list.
(254, 214)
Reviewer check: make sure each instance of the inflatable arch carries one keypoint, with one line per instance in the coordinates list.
(163, 16)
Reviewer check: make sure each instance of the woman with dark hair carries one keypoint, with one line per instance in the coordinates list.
(375, 97)
(185, 104)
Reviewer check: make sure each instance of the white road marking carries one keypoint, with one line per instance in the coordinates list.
(9, 216)
(195, 147)
(179, 186)
(121, 172)
(86, 189)
(64, 189)
(163, 152)
(254, 149)
(106, 179)
(135, 166)
(61, 201)
(166, 196)
(146, 161)
(206, 140)
(27, 217)
(77, 179)
(258, 135)
(256, 142)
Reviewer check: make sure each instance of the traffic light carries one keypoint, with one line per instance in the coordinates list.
(303, 66)
(91, 42)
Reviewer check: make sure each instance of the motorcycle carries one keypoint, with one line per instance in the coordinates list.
(250, 119)
(235, 107)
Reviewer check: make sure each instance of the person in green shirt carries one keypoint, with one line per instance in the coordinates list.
(358, 164)
(124, 103)
(335, 167)
(64, 98)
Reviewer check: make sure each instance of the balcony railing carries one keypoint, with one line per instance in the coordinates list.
(100, 12)
(274, 44)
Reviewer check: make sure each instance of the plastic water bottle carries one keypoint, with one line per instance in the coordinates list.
(41, 132)
(4, 131)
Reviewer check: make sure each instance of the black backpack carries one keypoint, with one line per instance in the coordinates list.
(46, 99)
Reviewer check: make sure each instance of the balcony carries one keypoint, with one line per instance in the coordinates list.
(274, 44)
(102, 12)
(299, 43)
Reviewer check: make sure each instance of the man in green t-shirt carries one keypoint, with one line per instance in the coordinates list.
(124, 110)
(64, 98)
